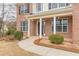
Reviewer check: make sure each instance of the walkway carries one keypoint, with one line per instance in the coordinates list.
(28, 45)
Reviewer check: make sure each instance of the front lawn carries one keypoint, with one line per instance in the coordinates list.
(10, 48)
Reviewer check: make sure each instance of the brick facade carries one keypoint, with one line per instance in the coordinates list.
(22, 17)
(73, 24)
(75, 32)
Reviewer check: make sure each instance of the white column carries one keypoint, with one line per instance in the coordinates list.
(54, 18)
(40, 27)
(28, 27)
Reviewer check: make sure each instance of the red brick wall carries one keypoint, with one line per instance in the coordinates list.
(48, 29)
(75, 32)
(21, 17)
(33, 27)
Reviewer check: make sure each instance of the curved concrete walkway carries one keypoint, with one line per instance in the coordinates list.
(28, 45)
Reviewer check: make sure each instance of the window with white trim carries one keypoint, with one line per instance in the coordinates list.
(39, 7)
(57, 5)
(61, 25)
(52, 5)
(24, 26)
(62, 4)
(24, 8)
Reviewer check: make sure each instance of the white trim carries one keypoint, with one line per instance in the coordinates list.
(54, 24)
(62, 25)
(37, 28)
(49, 15)
(28, 27)
(44, 28)
(40, 27)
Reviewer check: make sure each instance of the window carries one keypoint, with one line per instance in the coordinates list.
(49, 6)
(57, 5)
(65, 25)
(39, 7)
(67, 4)
(52, 5)
(61, 4)
(24, 8)
(52, 22)
(24, 26)
(61, 25)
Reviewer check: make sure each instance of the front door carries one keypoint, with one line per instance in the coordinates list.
(43, 27)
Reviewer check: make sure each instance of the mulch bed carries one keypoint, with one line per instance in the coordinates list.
(65, 46)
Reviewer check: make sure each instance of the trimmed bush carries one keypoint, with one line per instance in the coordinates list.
(57, 39)
(18, 35)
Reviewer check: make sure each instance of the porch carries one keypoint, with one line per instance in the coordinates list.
(43, 27)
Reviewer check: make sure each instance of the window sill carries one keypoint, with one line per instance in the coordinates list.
(24, 31)
(61, 32)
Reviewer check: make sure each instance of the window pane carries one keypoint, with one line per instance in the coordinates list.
(54, 5)
(58, 22)
(24, 26)
(24, 23)
(59, 28)
(39, 7)
(64, 28)
(59, 25)
(24, 8)
(52, 24)
(61, 4)
(49, 6)
(65, 22)
(67, 4)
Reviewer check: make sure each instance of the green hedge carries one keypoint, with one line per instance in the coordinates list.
(57, 39)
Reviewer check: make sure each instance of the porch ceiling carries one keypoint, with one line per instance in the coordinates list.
(51, 13)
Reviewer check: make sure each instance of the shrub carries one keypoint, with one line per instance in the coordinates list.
(13, 32)
(57, 39)
(18, 35)
(10, 31)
